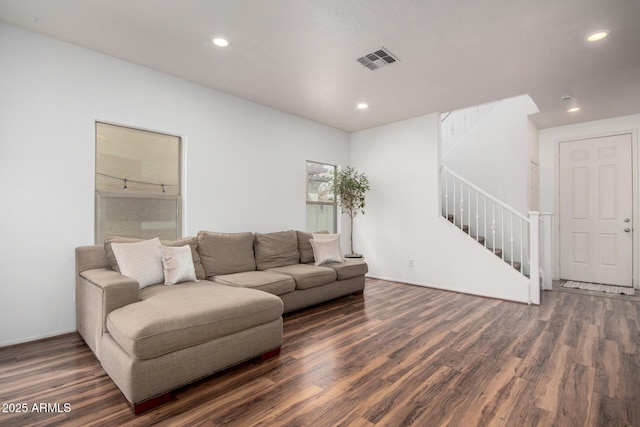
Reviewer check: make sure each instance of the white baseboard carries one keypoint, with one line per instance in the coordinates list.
(35, 338)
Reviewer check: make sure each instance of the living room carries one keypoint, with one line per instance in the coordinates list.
(239, 158)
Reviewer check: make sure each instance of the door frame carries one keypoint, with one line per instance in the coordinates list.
(635, 202)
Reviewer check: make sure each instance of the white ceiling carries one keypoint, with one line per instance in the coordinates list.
(299, 56)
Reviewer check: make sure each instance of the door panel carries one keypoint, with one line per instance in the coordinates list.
(580, 193)
(595, 198)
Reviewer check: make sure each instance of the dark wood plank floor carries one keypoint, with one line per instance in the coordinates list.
(398, 355)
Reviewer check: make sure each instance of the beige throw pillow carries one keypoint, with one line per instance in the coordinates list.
(142, 261)
(177, 263)
(326, 250)
(326, 236)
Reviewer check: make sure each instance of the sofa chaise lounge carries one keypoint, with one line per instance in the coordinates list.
(151, 340)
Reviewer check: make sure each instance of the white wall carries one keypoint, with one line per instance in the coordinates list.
(494, 155)
(549, 150)
(403, 222)
(533, 137)
(244, 164)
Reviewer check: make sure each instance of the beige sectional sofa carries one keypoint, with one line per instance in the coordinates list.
(158, 338)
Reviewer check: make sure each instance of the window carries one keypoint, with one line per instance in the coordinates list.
(137, 183)
(321, 201)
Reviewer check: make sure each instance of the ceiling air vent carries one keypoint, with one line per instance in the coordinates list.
(378, 59)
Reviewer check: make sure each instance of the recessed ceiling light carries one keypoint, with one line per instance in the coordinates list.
(573, 110)
(220, 42)
(597, 36)
(362, 106)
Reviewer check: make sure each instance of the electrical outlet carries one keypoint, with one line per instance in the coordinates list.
(410, 262)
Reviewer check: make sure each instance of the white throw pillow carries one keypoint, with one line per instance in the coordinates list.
(325, 236)
(326, 251)
(142, 261)
(178, 264)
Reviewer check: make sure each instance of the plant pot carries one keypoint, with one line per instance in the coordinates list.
(353, 256)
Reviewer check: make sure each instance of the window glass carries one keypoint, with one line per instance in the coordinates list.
(321, 203)
(137, 183)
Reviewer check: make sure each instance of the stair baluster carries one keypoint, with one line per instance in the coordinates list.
(502, 231)
(469, 209)
(453, 208)
(446, 197)
(493, 227)
(477, 220)
(461, 204)
(511, 239)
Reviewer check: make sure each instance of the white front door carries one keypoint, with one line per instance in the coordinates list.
(596, 210)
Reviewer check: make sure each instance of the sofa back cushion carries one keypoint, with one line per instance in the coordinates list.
(191, 241)
(226, 253)
(304, 246)
(276, 249)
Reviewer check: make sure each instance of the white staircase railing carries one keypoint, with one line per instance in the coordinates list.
(501, 229)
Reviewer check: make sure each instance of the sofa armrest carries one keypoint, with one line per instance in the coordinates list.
(98, 292)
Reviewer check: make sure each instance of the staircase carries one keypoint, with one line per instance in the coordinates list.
(490, 222)
(510, 235)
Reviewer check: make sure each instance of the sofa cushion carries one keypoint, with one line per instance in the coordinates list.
(308, 276)
(267, 281)
(171, 318)
(349, 268)
(304, 246)
(226, 253)
(276, 249)
(191, 241)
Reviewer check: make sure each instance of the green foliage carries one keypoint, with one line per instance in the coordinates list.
(350, 188)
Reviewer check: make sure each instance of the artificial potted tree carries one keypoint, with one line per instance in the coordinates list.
(350, 188)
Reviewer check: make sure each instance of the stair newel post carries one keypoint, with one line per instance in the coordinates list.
(534, 254)
(547, 218)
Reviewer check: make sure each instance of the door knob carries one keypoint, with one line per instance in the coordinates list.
(627, 220)
(627, 229)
